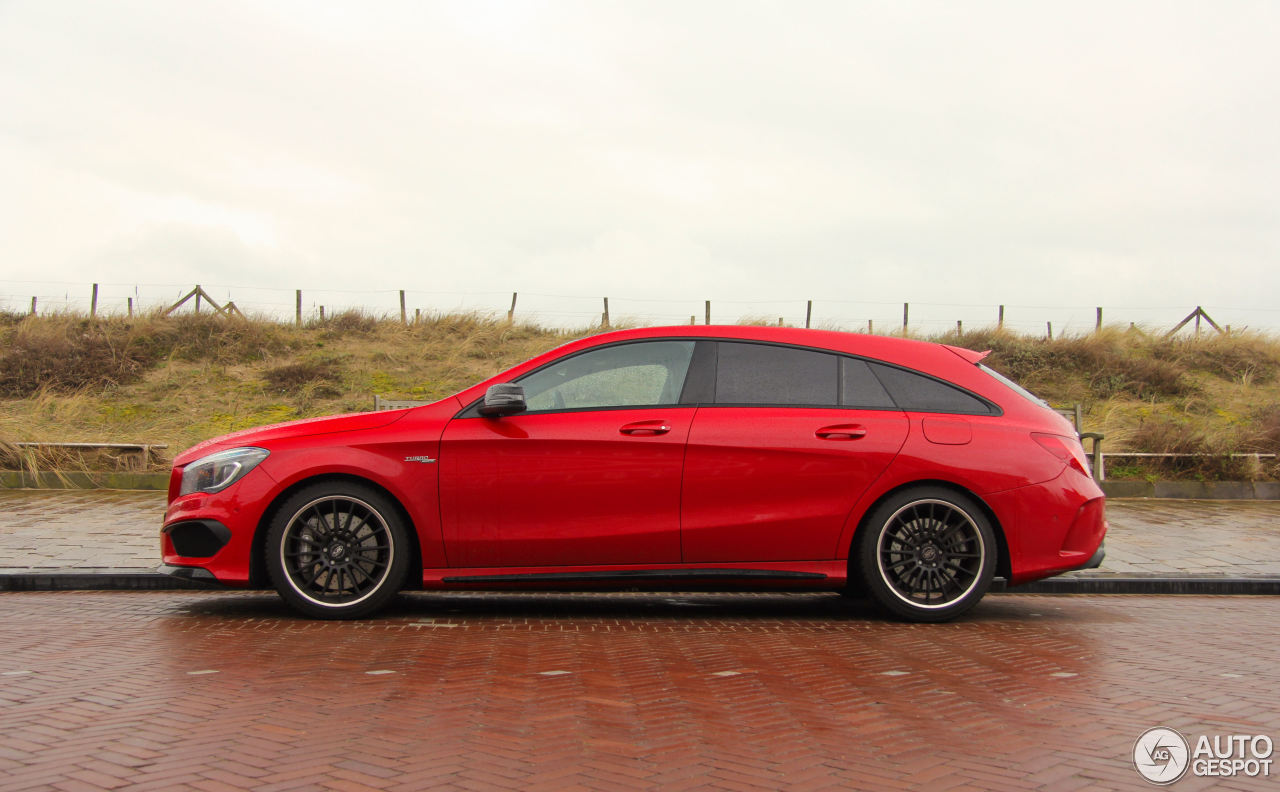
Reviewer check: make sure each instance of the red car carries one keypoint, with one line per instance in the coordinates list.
(658, 458)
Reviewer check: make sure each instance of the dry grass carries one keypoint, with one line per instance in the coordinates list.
(184, 379)
(179, 380)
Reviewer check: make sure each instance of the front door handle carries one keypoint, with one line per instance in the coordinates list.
(842, 432)
(645, 428)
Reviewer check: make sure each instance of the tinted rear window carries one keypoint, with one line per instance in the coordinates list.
(859, 386)
(918, 393)
(763, 374)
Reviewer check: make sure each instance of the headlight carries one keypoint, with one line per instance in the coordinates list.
(216, 472)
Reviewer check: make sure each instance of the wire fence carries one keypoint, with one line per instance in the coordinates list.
(578, 311)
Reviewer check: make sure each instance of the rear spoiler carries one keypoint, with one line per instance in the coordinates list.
(968, 355)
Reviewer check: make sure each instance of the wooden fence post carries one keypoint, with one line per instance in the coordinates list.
(93, 303)
(1049, 329)
(511, 314)
(1000, 319)
(808, 313)
(1098, 327)
(905, 313)
(959, 327)
(404, 316)
(693, 320)
(33, 306)
(708, 312)
(322, 313)
(1196, 314)
(199, 291)
(130, 307)
(417, 315)
(870, 331)
(298, 320)
(604, 317)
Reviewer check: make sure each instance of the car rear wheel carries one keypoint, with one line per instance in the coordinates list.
(927, 554)
(337, 551)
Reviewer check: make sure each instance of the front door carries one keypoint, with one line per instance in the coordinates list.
(589, 475)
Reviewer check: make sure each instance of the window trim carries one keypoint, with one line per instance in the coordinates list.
(702, 358)
(993, 410)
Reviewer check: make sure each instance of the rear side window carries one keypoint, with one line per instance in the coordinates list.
(764, 374)
(860, 388)
(918, 393)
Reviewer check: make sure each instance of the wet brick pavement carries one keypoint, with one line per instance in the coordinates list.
(101, 530)
(227, 691)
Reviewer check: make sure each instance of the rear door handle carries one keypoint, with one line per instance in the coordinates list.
(842, 432)
(645, 428)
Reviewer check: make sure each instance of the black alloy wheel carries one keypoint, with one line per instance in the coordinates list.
(927, 554)
(337, 551)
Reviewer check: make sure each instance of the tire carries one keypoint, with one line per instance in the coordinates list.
(337, 550)
(927, 554)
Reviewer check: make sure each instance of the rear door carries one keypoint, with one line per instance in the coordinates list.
(792, 437)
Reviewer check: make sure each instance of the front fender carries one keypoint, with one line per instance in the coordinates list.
(414, 484)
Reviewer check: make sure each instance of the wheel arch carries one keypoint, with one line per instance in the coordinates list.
(257, 562)
(1003, 565)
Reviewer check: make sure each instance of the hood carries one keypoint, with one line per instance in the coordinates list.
(351, 422)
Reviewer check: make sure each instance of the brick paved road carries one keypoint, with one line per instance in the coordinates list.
(612, 692)
(51, 530)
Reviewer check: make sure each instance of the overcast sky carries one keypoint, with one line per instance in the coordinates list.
(958, 155)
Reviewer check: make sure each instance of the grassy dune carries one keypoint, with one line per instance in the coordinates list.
(179, 380)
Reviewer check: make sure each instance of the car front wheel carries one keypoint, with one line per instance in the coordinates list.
(927, 554)
(337, 551)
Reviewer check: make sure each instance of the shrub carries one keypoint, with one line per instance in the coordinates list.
(66, 354)
(325, 375)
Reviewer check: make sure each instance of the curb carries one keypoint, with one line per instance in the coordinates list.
(146, 580)
(11, 479)
(96, 580)
(1193, 490)
(1121, 584)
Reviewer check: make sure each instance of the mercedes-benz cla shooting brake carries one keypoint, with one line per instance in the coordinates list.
(659, 458)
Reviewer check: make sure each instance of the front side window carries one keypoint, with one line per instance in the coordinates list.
(643, 374)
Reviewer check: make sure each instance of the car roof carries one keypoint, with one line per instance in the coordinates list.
(891, 348)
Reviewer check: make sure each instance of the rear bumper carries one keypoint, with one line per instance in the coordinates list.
(1096, 561)
(1053, 527)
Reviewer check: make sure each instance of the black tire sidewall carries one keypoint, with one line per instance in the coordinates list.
(868, 540)
(390, 516)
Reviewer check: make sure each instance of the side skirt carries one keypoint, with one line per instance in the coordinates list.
(800, 575)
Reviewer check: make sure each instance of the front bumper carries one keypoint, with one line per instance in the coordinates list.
(215, 532)
(201, 538)
(196, 575)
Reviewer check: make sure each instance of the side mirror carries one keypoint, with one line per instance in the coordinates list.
(504, 399)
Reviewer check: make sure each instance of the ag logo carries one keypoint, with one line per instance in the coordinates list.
(1161, 755)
